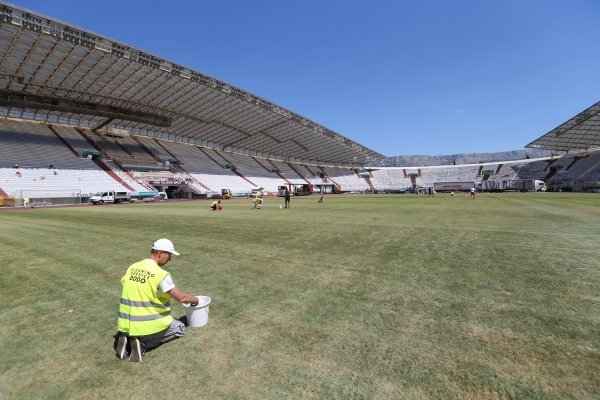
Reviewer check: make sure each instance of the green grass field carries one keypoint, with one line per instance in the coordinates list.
(362, 297)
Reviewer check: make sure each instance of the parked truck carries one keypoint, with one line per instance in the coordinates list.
(109, 197)
(454, 186)
(525, 185)
(519, 185)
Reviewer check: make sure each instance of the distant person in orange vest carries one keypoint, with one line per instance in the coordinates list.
(321, 199)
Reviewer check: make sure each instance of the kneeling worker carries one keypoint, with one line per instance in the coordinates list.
(145, 320)
(258, 202)
(216, 205)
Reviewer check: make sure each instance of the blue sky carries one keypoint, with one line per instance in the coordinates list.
(400, 77)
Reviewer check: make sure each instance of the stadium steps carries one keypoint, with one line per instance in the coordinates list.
(367, 179)
(298, 173)
(101, 164)
(593, 169)
(218, 182)
(246, 165)
(575, 159)
(588, 170)
(165, 149)
(234, 170)
(551, 172)
(278, 174)
(74, 140)
(113, 175)
(262, 165)
(153, 147)
(63, 140)
(33, 145)
(209, 157)
(196, 184)
(328, 178)
(128, 175)
(312, 174)
(146, 149)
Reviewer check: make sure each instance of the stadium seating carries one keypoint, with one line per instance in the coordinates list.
(74, 139)
(576, 171)
(246, 165)
(42, 180)
(195, 160)
(218, 182)
(34, 147)
(155, 148)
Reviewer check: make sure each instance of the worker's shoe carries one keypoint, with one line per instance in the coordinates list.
(137, 350)
(121, 348)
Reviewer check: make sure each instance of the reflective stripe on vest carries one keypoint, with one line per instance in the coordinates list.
(133, 303)
(143, 317)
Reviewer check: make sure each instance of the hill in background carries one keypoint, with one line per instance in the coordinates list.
(464, 158)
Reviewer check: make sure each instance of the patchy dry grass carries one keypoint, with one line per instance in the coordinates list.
(362, 297)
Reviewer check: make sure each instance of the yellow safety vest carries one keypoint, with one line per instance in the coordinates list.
(143, 310)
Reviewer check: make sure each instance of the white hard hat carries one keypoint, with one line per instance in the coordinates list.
(164, 245)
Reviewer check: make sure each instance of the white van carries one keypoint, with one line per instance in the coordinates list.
(109, 197)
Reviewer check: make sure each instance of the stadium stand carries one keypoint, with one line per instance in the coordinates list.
(193, 160)
(577, 172)
(285, 171)
(33, 145)
(218, 182)
(247, 165)
(45, 180)
(78, 144)
(154, 148)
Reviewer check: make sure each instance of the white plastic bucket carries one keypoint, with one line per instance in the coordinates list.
(197, 315)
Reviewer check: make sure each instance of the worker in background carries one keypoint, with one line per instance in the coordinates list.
(216, 205)
(288, 197)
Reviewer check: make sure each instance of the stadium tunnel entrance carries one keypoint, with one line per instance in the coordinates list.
(182, 191)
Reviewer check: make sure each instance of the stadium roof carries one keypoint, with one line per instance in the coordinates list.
(55, 72)
(582, 132)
